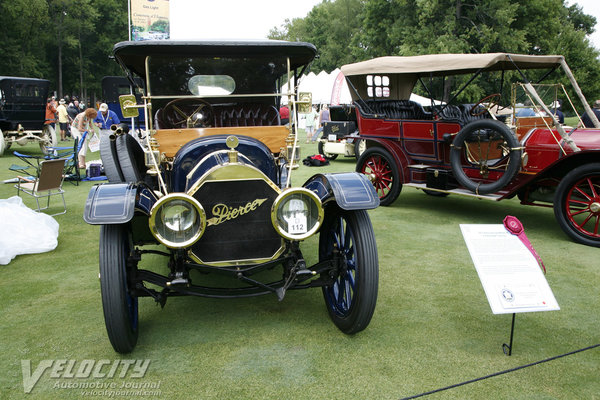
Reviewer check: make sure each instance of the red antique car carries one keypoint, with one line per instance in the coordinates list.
(484, 150)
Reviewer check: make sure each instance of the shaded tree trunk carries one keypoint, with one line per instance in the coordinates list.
(80, 65)
(59, 55)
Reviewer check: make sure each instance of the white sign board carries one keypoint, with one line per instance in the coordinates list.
(510, 275)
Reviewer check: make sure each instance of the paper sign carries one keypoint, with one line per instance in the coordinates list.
(297, 224)
(510, 275)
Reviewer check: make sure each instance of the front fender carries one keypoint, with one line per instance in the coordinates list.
(350, 190)
(117, 203)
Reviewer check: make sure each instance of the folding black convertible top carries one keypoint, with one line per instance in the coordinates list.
(132, 55)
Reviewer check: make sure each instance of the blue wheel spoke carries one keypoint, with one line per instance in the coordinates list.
(347, 239)
(348, 295)
(341, 292)
(351, 280)
(341, 231)
(340, 296)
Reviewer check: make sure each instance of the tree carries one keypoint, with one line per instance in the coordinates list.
(109, 28)
(377, 28)
(331, 27)
(23, 33)
(74, 25)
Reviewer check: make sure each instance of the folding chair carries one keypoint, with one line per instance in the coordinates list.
(70, 156)
(49, 183)
(31, 161)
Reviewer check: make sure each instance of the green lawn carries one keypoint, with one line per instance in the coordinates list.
(432, 326)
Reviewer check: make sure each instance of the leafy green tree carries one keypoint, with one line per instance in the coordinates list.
(331, 27)
(411, 27)
(23, 31)
(110, 27)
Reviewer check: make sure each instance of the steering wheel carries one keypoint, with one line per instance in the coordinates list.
(187, 113)
(491, 100)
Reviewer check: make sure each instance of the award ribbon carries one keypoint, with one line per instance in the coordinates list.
(515, 227)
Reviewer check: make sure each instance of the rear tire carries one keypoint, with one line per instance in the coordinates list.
(49, 138)
(2, 143)
(120, 305)
(360, 146)
(577, 204)
(328, 156)
(435, 193)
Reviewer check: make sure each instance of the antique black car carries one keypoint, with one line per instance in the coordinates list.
(211, 186)
(23, 113)
(340, 135)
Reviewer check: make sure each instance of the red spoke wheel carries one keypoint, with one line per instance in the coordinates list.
(381, 169)
(577, 204)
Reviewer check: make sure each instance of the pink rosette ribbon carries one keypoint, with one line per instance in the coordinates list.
(514, 226)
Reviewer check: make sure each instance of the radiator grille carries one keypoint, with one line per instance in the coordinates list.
(239, 224)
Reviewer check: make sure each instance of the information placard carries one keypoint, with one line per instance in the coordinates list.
(510, 275)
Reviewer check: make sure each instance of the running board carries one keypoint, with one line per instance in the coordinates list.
(462, 192)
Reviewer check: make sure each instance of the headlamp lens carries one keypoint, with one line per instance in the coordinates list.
(177, 221)
(298, 214)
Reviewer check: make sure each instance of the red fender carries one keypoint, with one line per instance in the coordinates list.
(400, 157)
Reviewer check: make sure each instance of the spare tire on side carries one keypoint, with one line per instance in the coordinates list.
(131, 158)
(110, 159)
(490, 147)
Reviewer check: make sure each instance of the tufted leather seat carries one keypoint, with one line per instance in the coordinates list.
(460, 113)
(393, 109)
(228, 115)
(250, 114)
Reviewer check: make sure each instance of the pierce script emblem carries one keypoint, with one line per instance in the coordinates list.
(222, 212)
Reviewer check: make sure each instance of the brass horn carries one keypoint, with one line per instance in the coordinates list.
(117, 130)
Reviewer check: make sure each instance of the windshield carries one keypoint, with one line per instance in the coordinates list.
(177, 76)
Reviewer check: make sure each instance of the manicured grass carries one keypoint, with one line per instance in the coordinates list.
(432, 326)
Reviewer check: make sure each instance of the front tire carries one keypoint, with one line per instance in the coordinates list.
(120, 305)
(577, 204)
(380, 167)
(347, 238)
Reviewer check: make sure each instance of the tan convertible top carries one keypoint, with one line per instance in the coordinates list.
(449, 64)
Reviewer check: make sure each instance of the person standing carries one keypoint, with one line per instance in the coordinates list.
(106, 118)
(73, 109)
(323, 117)
(310, 119)
(63, 119)
(50, 113)
(84, 121)
(555, 108)
(284, 115)
(586, 120)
